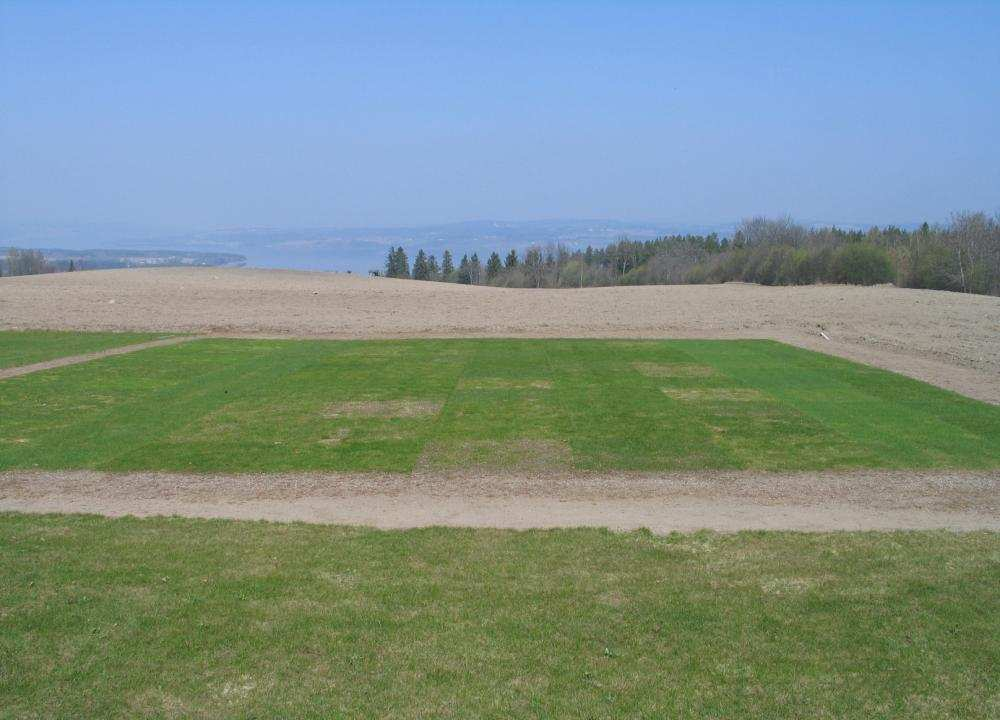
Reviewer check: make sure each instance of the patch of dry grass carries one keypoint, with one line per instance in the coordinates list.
(672, 370)
(336, 437)
(494, 383)
(713, 394)
(383, 408)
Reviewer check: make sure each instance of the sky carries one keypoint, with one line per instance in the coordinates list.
(307, 114)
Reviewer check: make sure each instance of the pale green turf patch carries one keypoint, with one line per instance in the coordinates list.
(185, 618)
(24, 347)
(283, 405)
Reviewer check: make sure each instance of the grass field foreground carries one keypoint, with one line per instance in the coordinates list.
(187, 618)
(226, 405)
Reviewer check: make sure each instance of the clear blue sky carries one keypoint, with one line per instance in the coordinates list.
(202, 115)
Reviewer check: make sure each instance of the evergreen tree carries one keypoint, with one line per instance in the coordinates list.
(447, 266)
(403, 263)
(511, 261)
(72, 267)
(433, 271)
(493, 266)
(475, 269)
(397, 265)
(390, 262)
(464, 271)
(420, 269)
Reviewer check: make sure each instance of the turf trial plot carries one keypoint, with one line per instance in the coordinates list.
(232, 405)
(186, 618)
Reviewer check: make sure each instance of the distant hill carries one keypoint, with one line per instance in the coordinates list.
(100, 259)
(344, 248)
(360, 249)
(353, 248)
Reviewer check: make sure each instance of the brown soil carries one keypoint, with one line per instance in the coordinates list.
(725, 501)
(87, 357)
(950, 339)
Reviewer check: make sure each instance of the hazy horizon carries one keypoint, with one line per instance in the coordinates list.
(357, 249)
(188, 117)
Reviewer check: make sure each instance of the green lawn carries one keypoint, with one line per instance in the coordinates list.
(533, 405)
(23, 347)
(193, 618)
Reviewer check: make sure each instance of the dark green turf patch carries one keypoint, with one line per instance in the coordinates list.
(273, 405)
(186, 618)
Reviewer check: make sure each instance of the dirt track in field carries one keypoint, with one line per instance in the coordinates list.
(87, 357)
(724, 501)
(949, 339)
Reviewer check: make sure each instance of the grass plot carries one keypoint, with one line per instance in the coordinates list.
(232, 405)
(214, 619)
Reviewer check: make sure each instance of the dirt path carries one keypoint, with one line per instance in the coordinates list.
(87, 357)
(949, 339)
(725, 501)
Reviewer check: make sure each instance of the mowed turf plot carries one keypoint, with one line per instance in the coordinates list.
(485, 405)
(25, 347)
(215, 619)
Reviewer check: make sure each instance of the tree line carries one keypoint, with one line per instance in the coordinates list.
(27, 262)
(962, 255)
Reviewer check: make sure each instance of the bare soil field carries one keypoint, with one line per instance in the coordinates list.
(949, 339)
(723, 501)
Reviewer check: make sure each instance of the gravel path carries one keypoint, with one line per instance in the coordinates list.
(949, 339)
(87, 357)
(724, 501)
